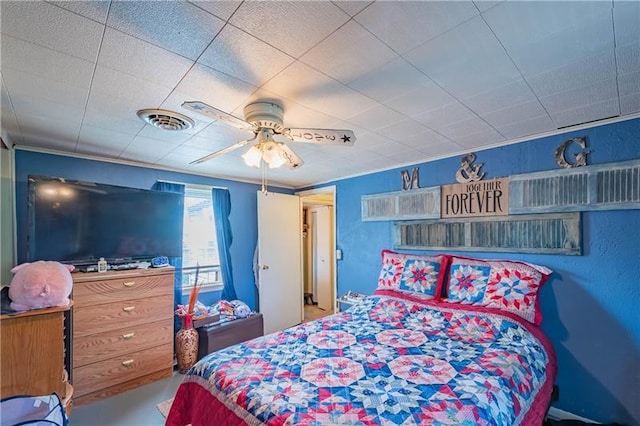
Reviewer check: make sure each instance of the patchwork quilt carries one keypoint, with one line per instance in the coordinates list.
(389, 360)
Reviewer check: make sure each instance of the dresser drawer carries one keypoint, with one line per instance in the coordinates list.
(120, 287)
(109, 344)
(99, 375)
(116, 315)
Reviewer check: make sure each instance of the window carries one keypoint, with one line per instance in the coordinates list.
(199, 244)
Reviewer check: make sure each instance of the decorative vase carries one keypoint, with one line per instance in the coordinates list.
(186, 345)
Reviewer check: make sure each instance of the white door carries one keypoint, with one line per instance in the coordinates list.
(279, 260)
(322, 257)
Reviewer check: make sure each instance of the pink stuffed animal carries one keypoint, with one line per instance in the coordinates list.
(41, 284)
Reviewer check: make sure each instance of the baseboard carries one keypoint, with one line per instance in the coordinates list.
(558, 414)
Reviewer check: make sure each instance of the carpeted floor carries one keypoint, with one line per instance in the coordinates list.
(312, 312)
(164, 407)
(137, 407)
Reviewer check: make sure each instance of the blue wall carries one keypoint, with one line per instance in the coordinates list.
(243, 217)
(591, 305)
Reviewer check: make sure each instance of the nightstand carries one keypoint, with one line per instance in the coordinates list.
(348, 299)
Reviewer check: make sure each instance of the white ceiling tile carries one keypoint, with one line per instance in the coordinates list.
(592, 70)
(441, 150)
(136, 57)
(517, 23)
(424, 96)
(170, 136)
(222, 9)
(243, 56)
(515, 113)
(368, 140)
(527, 127)
(405, 25)
(628, 57)
(390, 80)
(100, 120)
(484, 5)
(291, 26)
(118, 84)
(466, 60)
(52, 27)
(424, 139)
(42, 134)
(542, 35)
(445, 115)
(48, 130)
(111, 106)
(179, 27)
(377, 117)
(96, 140)
(630, 104)
(463, 128)
(214, 88)
(626, 15)
(571, 99)
(348, 53)
(405, 155)
(21, 84)
(46, 63)
(26, 108)
(403, 129)
(315, 90)
(147, 149)
(352, 7)
(476, 140)
(629, 83)
(587, 113)
(499, 98)
(92, 9)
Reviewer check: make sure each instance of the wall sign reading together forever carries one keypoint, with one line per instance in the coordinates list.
(484, 198)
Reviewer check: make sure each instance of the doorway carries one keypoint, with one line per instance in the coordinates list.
(318, 242)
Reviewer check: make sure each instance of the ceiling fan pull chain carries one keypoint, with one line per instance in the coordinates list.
(263, 170)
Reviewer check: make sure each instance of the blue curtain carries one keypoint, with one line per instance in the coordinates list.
(174, 261)
(221, 209)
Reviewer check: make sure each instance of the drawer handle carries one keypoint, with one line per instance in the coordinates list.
(128, 336)
(127, 363)
(128, 308)
(129, 283)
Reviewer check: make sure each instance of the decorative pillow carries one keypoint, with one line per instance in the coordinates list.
(507, 285)
(412, 273)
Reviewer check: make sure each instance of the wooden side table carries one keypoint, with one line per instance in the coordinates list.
(32, 354)
(214, 337)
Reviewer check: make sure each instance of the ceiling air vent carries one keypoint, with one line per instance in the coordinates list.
(166, 120)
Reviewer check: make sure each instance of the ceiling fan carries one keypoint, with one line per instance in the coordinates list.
(264, 120)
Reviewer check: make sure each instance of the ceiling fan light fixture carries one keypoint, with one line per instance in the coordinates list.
(252, 157)
(273, 155)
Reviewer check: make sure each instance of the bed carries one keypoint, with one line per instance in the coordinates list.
(399, 357)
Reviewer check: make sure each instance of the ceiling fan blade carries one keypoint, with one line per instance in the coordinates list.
(216, 114)
(223, 151)
(293, 161)
(321, 136)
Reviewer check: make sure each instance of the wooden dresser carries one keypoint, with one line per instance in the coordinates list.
(32, 354)
(122, 331)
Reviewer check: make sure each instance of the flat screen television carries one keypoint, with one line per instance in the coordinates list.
(80, 222)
